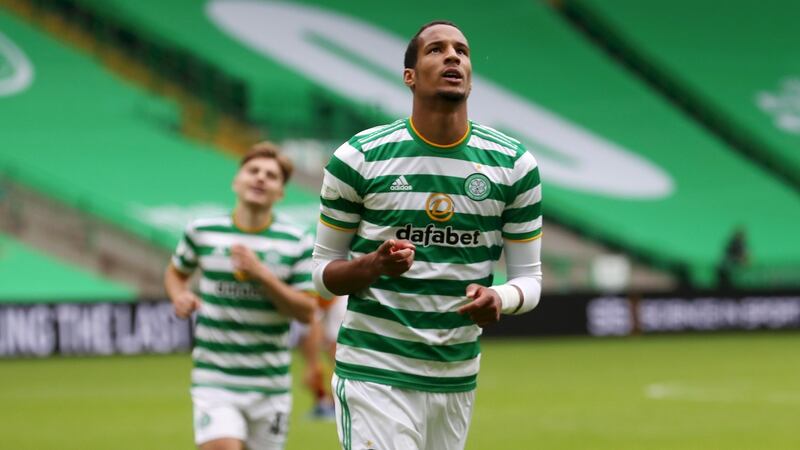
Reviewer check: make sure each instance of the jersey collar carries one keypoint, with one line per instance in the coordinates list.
(255, 230)
(438, 147)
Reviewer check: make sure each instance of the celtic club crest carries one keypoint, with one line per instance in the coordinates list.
(477, 186)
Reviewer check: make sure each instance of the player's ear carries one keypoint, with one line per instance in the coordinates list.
(410, 78)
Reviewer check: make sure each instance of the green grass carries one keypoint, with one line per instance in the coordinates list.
(733, 391)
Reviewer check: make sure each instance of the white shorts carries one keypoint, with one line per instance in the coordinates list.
(260, 421)
(382, 417)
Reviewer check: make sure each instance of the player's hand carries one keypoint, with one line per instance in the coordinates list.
(394, 257)
(185, 303)
(485, 307)
(245, 262)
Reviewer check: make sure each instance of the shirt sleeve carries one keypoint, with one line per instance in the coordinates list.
(341, 198)
(300, 277)
(185, 258)
(522, 215)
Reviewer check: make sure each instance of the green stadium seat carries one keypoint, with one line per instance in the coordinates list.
(78, 134)
(735, 62)
(618, 161)
(30, 276)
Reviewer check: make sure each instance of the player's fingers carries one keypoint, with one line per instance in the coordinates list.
(386, 247)
(403, 244)
(468, 308)
(487, 313)
(400, 255)
(243, 255)
(472, 290)
(482, 301)
(484, 295)
(410, 260)
(180, 311)
(401, 266)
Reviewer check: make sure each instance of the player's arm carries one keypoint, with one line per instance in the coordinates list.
(524, 268)
(522, 232)
(310, 348)
(177, 275)
(519, 295)
(176, 283)
(334, 274)
(287, 300)
(341, 205)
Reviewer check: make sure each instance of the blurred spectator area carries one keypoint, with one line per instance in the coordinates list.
(104, 248)
(732, 67)
(80, 239)
(147, 151)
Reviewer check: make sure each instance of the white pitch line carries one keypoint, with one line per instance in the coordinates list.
(715, 394)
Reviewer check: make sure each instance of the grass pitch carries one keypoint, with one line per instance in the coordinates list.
(732, 391)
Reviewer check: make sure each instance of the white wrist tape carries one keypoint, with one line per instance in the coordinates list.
(319, 284)
(330, 245)
(509, 298)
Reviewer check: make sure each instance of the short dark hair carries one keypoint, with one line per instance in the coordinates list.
(269, 150)
(410, 60)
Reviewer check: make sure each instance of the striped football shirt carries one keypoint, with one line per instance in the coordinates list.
(457, 204)
(241, 340)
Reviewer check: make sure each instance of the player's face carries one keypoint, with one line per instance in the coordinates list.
(259, 183)
(443, 66)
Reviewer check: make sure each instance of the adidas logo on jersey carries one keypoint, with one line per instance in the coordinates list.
(400, 184)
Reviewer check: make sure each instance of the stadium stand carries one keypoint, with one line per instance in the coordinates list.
(733, 65)
(675, 203)
(29, 276)
(190, 48)
(81, 136)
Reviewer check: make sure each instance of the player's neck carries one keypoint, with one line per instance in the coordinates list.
(438, 123)
(251, 219)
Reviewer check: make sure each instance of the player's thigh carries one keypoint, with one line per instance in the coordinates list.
(268, 420)
(376, 416)
(217, 415)
(449, 419)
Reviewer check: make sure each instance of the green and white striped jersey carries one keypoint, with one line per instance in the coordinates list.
(457, 204)
(241, 340)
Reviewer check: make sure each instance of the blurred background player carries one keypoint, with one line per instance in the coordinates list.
(317, 344)
(424, 205)
(255, 278)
